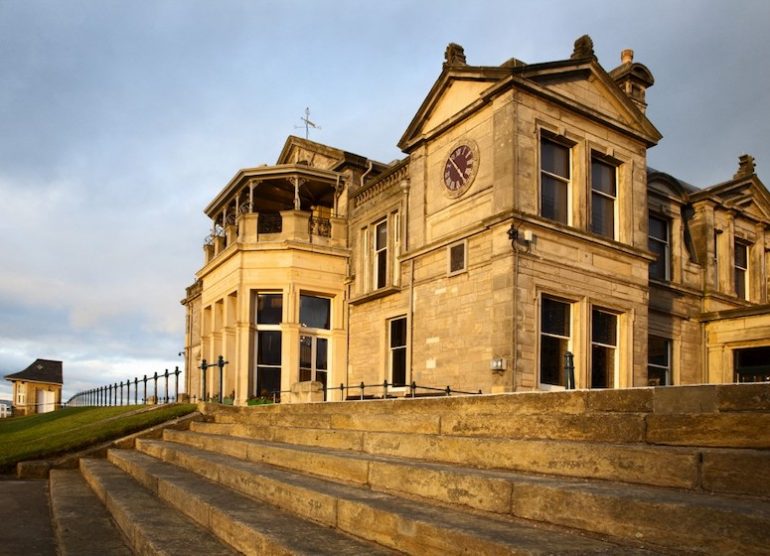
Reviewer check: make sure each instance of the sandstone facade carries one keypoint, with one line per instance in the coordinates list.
(521, 231)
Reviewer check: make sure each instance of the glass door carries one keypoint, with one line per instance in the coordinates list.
(313, 359)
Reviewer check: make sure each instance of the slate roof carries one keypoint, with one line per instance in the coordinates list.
(42, 370)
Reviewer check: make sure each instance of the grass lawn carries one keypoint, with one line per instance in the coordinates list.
(74, 428)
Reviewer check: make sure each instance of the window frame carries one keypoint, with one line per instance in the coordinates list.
(615, 378)
(744, 291)
(464, 244)
(266, 327)
(402, 348)
(666, 246)
(569, 338)
(598, 158)
(667, 369)
(380, 254)
(563, 143)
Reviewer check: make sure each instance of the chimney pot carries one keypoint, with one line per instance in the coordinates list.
(627, 56)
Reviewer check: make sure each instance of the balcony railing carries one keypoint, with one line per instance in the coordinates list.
(289, 225)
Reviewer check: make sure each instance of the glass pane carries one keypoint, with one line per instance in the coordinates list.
(602, 215)
(314, 311)
(602, 367)
(306, 351)
(554, 158)
(657, 376)
(658, 267)
(381, 237)
(552, 352)
(269, 348)
(657, 351)
(553, 199)
(382, 269)
(658, 228)
(321, 351)
(554, 317)
(603, 177)
(457, 257)
(398, 367)
(268, 381)
(740, 255)
(397, 332)
(740, 283)
(320, 376)
(269, 308)
(604, 328)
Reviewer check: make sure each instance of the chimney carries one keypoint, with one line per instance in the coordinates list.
(633, 78)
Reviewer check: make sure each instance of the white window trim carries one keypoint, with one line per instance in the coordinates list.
(616, 347)
(570, 339)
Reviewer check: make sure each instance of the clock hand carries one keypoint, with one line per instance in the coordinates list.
(462, 174)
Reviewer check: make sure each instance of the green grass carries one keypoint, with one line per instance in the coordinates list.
(75, 428)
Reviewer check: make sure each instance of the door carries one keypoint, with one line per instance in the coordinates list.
(45, 401)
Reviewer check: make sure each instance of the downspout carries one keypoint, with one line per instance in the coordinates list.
(514, 293)
(369, 169)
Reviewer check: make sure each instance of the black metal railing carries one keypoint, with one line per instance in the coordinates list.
(269, 223)
(121, 393)
(319, 226)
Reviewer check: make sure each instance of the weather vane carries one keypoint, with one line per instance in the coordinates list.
(307, 123)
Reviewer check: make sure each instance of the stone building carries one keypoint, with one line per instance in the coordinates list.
(37, 389)
(522, 224)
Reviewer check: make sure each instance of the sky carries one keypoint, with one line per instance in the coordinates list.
(121, 120)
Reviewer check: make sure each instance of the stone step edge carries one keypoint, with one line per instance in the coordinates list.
(165, 532)
(389, 520)
(728, 471)
(502, 492)
(620, 509)
(236, 519)
(82, 524)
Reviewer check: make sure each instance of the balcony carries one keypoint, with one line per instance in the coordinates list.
(289, 226)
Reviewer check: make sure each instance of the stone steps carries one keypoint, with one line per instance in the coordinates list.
(671, 517)
(723, 471)
(400, 523)
(82, 524)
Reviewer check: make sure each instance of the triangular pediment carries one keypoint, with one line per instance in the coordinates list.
(747, 196)
(587, 87)
(456, 92)
(303, 151)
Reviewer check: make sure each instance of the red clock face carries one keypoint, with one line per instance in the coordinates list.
(459, 169)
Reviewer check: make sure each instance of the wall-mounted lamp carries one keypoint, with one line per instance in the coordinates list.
(497, 364)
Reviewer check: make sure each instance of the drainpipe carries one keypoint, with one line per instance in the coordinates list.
(369, 169)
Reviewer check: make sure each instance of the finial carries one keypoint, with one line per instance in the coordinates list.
(584, 48)
(746, 166)
(627, 56)
(454, 55)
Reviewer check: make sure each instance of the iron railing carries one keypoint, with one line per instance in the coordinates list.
(113, 394)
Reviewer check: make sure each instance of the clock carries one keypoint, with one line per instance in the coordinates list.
(460, 168)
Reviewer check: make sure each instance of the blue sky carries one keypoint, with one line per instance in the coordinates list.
(119, 121)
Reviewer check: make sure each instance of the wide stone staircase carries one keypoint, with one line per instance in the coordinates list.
(645, 471)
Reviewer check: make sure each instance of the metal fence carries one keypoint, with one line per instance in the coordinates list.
(143, 390)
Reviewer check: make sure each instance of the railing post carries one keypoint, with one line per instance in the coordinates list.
(166, 376)
(342, 392)
(121, 393)
(176, 383)
(204, 366)
(155, 387)
(362, 389)
(413, 388)
(136, 390)
(569, 370)
(144, 400)
(385, 390)
(221, 364)
(448, 391)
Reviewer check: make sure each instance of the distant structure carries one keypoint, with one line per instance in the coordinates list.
(37, 389)
(522, 243)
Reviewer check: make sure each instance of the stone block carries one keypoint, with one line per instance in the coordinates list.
(632, 400)
(726, 430)
(744, 397)
(397, 422)
(737, 472)
(685, 399)
(585, 427)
